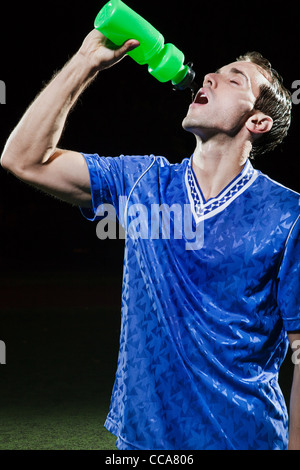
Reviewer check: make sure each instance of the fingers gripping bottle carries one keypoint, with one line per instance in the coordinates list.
(165, 62)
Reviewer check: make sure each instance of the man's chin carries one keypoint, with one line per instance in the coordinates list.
(188, 125)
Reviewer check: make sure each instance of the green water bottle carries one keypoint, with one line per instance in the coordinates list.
(165, 62)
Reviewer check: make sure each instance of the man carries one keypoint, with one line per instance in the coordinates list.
(205, 321)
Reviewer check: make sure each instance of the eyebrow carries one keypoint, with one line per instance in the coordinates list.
(237, 71)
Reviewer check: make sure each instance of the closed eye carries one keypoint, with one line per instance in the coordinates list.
(243, 78)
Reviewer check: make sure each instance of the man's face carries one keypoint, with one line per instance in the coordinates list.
(225, 101)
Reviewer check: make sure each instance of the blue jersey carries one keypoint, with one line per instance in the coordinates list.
(204, 319)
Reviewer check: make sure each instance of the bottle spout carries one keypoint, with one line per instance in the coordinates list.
(188, 81)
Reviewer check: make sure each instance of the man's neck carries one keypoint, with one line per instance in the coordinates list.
(216, 164)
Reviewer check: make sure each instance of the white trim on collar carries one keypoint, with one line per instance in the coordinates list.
(204, 210)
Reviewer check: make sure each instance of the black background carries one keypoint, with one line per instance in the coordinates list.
(124, 111)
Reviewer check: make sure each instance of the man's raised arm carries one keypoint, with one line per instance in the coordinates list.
(31, 151)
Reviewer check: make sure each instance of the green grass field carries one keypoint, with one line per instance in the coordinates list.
(61, 332)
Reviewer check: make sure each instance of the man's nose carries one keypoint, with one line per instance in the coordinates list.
(210, 80)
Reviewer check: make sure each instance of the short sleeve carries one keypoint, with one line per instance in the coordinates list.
(112, 178)
(288, 293)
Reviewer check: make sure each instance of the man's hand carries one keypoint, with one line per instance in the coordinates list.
(102, 53)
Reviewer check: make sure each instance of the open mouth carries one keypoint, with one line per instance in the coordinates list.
(201, 97)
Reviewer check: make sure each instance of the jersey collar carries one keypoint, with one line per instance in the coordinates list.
(205, 209)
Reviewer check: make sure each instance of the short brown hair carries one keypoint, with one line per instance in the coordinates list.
(275, 101)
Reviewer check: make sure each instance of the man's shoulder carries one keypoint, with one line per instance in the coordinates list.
(278, 187)
(151, 158)
(156, 163)
(277, 193)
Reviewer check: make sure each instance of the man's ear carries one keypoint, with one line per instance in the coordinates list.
(259, 123)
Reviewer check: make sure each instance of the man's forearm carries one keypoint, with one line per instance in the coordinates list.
(294, 418)
(294, 428)
(38, 132)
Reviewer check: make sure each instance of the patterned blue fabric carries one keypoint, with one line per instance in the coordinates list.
(203, 330)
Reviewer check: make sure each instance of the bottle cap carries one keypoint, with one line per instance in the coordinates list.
(187, 81)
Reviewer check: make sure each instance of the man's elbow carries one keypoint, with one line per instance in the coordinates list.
(7, 161)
